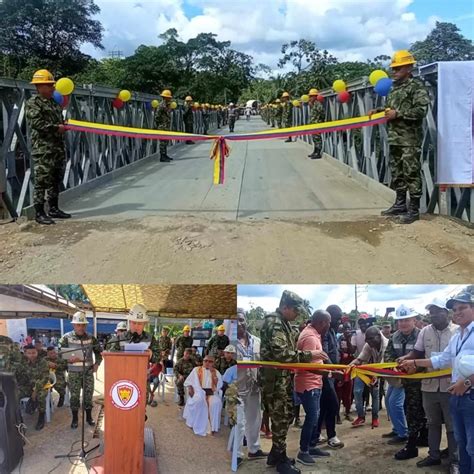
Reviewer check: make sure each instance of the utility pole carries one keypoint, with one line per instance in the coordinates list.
(355, 296)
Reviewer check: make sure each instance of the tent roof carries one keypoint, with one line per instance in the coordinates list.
(172, 301)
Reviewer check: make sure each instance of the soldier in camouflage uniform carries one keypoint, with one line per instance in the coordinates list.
(76, 346)
(39, 348)
(163, 122)
(287, 113)
(182, 369)
(183, 342)
(217, 342)
(278, 344)
(317, 116)
(227, 360)
(205, 118)
(10, 355)
(278, 113)
(232, 116)
(400, 344)
(32, 374)
(46, 124)
(188, 117)
(407, 105)
(196, 356)
(165, 344)
(59, 366)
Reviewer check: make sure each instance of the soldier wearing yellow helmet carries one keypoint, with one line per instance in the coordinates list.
(317, 116)
(218, 342)
(287, 113)
(185, 341)
(163, 122)
(188, 117)
(205, 117)
(46, 124)
(405, 109)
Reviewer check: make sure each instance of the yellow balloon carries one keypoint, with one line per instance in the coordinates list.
(155, 103)
(305, 98)
(296, 103)
(125, 95)
(173, 105)
(339, 85)
(64, 86)
(376, 75)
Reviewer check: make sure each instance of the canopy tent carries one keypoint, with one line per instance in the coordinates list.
(251, 104)
(171, 301)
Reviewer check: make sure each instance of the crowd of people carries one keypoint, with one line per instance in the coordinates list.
(270, 399)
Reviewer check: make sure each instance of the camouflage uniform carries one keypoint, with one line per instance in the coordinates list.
(71, 341)
(221, 364)
(33, 376)
(42, 354)
(317, 116)
(48, 149)
(164, 346)
(232, 116)
(272, 116)
(279, 115)
(184, 368)
(217, 343)
(188, 118)
(182, 342)
(197, 358)
(410, 99)
(163, 122)
(231, 402)
(278, 344)
(205, 120)
(398, 346)
(60, 372)
(10, 355)
(287, 114)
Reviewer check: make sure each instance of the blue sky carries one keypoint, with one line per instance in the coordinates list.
(371, 298)
(349, 29)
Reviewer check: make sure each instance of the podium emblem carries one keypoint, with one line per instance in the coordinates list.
(125, 394)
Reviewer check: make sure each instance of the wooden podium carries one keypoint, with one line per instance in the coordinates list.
(124, 415)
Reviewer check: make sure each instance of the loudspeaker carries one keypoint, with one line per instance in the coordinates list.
(11, 443)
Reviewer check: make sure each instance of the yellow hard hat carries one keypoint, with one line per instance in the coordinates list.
(278, 101)
(285, 94)
(166, 93)
(221, 328)
(313, 92)
(42, 76)
(188, 97)
(207, 105)
(186, 328)
(402, 58)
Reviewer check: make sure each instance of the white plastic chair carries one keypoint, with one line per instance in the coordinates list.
(233, 447)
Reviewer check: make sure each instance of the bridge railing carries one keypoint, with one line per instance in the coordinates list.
(366, 150)
(88, 156)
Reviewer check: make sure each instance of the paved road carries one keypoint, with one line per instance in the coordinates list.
(264, 179)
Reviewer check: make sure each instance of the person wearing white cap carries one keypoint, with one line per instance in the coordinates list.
(456, 355)
(226, 360)
(401, 343)
(432, 339)
(86, 346)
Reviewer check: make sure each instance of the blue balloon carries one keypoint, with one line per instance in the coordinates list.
(383, 86)
(58, 98)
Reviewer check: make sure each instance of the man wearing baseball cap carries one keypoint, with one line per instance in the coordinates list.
(461, 400)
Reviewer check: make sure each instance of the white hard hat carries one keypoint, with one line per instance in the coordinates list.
(404, 312)
(231, 104)
(465, 365)
(138, 314)
(230, 348)
(438, 303)
(121, 326)
(79, 318)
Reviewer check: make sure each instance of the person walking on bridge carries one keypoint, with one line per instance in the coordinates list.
(406, 106)
(317, 116)
(163, 122)
(46, 124)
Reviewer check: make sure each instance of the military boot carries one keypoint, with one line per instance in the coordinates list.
(54, 210)
(273, 457)
(288, 140)
(169, 157)
(181, 401)
(89, 419)
(40, 422)
(285, 466)
(413, 213)
(41, 217)
(316, 153)
(163, 158)
(399, 207)
(75, 421)
(409, 451)
(61, 401)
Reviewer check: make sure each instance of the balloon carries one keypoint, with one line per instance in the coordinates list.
(320, 98)
(383, 86)
(339, 85)
(173, 105)
(344, 97)
(117, 103)
(58, 98)
(376, 75)
(296, 103)
(64, 86)
(305, 98)
(155, 103)
(66, 101)
(124, 95)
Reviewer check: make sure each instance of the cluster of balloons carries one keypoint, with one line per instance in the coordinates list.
(63, 90)
(296, 103)
(122, 97)
(339, 86)
(381, 82)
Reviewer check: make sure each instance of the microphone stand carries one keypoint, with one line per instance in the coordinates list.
(83, 453)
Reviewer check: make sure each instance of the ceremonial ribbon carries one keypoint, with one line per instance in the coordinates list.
(220, 150)
(364, 372)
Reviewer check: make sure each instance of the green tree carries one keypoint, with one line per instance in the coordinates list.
(48, 34)
(444, 43)
(73, 293)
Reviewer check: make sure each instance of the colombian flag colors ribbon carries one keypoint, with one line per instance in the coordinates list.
(364, 372)
(220, 150)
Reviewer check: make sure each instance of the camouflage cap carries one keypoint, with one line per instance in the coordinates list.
(292, 300)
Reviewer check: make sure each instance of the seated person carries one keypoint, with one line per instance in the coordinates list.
(182, 369)
(154, 369)
(204, 405)
(226, 360)
(196, 356)
(32, 374)
(59, 366)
